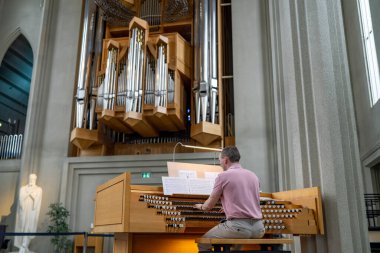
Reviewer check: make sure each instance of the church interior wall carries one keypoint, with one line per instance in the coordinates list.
(1, 6)
(20, 15)
(55, 47)
(375, 9)
(16, 17)
(367, 118)
(52, 129)
(253, 107)
(9, 176)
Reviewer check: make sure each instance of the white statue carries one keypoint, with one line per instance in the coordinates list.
(27, 213)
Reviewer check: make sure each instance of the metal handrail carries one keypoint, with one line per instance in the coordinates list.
(372, 205)
(10, 146)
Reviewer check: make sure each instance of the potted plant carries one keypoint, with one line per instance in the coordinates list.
(58, 215)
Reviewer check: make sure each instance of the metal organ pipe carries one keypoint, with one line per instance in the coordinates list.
(214, 60)
(85, 62)
(106, 80)
(213, 40)
(136, 76)
(204, 58)
(149, 80)
(150, 11)
(205, 74)
(135, 71)
(100, 82)
(171, 86)
(110, 80)
(158, 80)
(165, 84)
(161, 77)
(140, 83)
(128, 105)
(98, 46)
(120, 83)
(196, 60)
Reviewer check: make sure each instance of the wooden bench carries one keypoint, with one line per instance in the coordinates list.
(224, 244)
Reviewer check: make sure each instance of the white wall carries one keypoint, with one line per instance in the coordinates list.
(48, 127)
(252, 107)
(22, 16)
(9, 174)
(367, 118)
(374, 5)
(16, 17)
(53, 28)
(1, 6)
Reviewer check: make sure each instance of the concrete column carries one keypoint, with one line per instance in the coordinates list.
(252, 92)
(310, 107)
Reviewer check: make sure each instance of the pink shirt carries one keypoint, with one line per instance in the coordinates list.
(239, 191)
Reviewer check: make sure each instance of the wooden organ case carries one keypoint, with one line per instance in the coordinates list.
(145, 90)
(144, 220)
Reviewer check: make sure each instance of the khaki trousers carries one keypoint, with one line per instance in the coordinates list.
(236, 229)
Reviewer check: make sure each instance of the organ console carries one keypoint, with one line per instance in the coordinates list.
(140, 215)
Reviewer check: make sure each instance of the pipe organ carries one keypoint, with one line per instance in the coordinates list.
(136, 211)
(156, 75)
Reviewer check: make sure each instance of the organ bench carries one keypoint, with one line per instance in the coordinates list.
(144, 220)
(224, 245)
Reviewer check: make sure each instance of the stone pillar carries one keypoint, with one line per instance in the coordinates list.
(313, 86)
(310, 108)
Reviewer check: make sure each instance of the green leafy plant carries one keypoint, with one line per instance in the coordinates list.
(58, 215)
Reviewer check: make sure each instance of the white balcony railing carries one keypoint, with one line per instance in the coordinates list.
(10, 146)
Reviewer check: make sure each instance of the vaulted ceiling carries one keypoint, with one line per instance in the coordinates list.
(15, 77)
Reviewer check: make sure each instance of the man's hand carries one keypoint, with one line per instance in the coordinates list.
(198, 206)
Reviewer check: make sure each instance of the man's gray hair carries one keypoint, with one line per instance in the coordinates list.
(232, 153)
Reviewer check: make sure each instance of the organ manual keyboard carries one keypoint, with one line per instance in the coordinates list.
(145, 220)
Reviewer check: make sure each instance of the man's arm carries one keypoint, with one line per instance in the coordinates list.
(214, 196)
(209, 203)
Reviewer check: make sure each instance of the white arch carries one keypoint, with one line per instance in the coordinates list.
(5, 44)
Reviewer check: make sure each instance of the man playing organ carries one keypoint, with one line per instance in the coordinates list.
(239, 192)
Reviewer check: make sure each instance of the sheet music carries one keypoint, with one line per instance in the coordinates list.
(177, 185)
(187, 173)
(185, 178)
(200, 186)
(211, 175)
